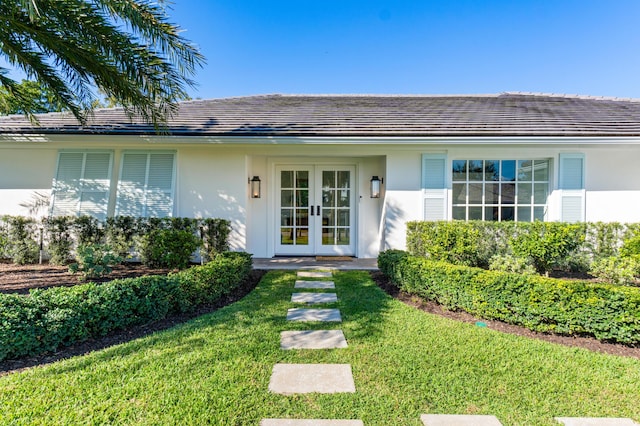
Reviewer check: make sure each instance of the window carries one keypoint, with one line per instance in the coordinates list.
(146, 184)
(500, 190)
(81, 185)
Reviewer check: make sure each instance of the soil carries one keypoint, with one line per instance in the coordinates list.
(434, 308)
(19, 279)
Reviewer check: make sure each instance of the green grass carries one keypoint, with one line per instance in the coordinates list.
(216, 369)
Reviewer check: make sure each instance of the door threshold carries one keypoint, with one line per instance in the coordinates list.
(339, 258)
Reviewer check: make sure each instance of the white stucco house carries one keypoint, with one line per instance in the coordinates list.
(510, 156)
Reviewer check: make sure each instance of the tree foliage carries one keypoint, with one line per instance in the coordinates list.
(125, 48)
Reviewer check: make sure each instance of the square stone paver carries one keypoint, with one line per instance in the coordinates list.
(596, 421)
(315, 274)
(290, 379)
(312, 339)
(314, 298)
(458, 420)
(315, 284)
(310, 422)
(323, 315)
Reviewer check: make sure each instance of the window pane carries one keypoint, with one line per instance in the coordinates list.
(302, 217)
(286, 198)
(328, 179)
(460, 213)
(491, 170)
(491, 192)
(525, 170)
(343, 179)
(508, 172)
(343, 198)
(328, 217)
(475, 213)
(524, 193)
(538, 213)
(302, 198)
(328, 198)
(302, 236)
(286, 236)
(491, 213)
(475, 193)
(459, 193)
(286, 179)
(343, 217)
(328, 236)
(508, 214)
(459, 170)
(475, 170)
(286, 217)
(541, 170)
(524, 214)
(507, 193)
(302, 179)
(540, 193)
(343, 237)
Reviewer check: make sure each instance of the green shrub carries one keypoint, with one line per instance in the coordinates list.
(631, 247)
(119, 233)
(510, 263)
(616, 269)
(607, 312)
(215, 237)
(94, 261)
(22, 247)
(48, 319)
(455, 242)
(58, 231)
(88, 230)
(548, 244)
(167, 248)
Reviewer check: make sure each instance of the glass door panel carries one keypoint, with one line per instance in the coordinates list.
(293, 236)
(337, 210)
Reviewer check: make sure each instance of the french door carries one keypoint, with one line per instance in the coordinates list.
(315, 211)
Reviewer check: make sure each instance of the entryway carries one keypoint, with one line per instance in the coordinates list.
(315, 210)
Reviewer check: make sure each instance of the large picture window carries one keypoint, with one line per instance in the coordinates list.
(500, 190)
(146, 185)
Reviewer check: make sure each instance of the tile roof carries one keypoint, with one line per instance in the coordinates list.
(506, 114)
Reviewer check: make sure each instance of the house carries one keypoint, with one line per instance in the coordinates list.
(336, 175)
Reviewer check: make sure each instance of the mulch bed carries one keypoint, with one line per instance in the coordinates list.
(434, 308)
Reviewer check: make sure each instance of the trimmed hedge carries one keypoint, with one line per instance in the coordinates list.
(48, 319)
(606, 312)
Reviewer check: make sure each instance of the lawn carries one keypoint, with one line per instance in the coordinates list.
(216, 369)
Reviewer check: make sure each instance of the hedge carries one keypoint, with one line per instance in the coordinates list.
(607, 312)
(48, 319)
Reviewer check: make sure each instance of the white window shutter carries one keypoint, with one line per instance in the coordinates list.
(146, 185)
(434, 186)
(571, 185)
(95, 185)
(81, 185)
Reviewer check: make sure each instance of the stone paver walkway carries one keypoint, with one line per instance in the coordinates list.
(314, 298)
(312, 339)
(315, 274)
(310, 422)
(291, 379)
(458, 420)
(315, 284)
(308, 315)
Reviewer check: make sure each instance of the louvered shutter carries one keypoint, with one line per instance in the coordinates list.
(66, 186)
(146, 185)
(571, 185)
(434, 186)
(94, 198)
(81, 185)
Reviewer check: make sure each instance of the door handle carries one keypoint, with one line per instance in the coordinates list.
(311, 210)
(318, 212)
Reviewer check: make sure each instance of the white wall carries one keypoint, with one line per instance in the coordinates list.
(23, 172)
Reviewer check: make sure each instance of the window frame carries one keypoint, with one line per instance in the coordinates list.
(500, 204)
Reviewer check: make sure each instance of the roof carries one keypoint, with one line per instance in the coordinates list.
(506, 114)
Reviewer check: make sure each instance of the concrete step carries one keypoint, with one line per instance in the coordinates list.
(312, 298)
(307, 315)
(312, 339)
(288, 379)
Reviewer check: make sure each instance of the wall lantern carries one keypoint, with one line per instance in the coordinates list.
(255, 187)
(376, 182)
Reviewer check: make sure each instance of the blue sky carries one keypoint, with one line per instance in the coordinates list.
(583, 47)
